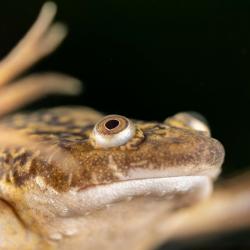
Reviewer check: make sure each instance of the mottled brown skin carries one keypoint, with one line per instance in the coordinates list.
(155, 147)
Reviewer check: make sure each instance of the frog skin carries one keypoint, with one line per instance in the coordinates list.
(71, 178)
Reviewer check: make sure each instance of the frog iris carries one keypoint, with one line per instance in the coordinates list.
(112, 131)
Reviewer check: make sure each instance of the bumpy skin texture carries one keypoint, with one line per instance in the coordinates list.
(154, 147)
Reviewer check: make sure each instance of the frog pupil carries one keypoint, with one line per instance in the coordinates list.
(111, 124)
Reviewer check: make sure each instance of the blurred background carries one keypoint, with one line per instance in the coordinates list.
(150, 59)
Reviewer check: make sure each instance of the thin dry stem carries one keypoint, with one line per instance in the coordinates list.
(43, 38)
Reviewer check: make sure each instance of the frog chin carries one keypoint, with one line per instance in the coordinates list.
(70, 211)
(74, 208)
(147, 188)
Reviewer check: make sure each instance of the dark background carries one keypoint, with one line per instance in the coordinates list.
(150, 59)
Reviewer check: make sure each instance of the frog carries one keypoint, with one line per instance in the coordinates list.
(74, 178)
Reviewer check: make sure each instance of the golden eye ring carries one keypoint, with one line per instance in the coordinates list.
(113, 131)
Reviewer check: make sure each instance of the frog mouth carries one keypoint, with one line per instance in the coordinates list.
(186, 184)
(174, 191)
(164, 184)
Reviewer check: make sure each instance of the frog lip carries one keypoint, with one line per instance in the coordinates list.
(210, 172)
(189, 170)
(163, 188)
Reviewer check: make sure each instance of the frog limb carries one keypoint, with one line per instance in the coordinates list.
(43, 38)
(228, 209)
(14, 235)
(35, 86)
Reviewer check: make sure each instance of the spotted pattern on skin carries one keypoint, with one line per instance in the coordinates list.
(155, 146)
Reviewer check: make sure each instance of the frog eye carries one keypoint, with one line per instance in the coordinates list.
(113, 131)
(189, 120)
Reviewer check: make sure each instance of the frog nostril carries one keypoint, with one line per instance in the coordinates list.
(111, 124)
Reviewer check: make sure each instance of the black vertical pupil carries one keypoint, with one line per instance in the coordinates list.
(111, 124)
